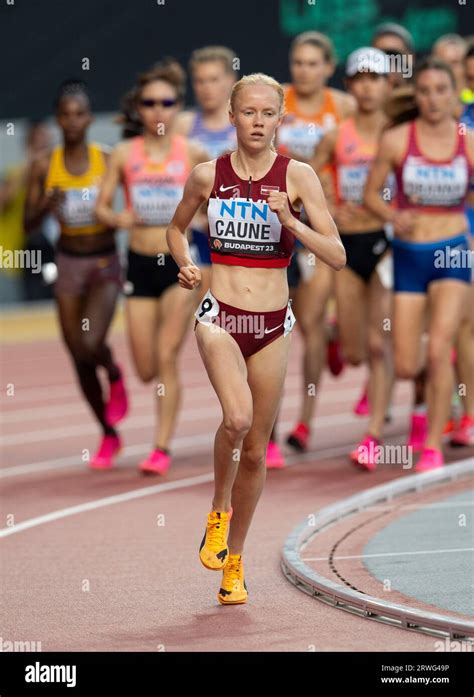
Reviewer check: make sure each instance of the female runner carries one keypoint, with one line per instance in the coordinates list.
(363, 303)
(153, 168)
(212, 70)
(243, 323)
(89, 275)
(311, 110)
(432, 159)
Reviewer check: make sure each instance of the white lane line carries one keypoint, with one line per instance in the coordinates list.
(50, 392)
(183, 444)
(145, 399)
(148, 491)
(292, 460)
(190, 415)
(108, 501)
(392, 554)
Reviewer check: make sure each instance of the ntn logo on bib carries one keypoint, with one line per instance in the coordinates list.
(435, 184)
(155, 204)
(240, 219)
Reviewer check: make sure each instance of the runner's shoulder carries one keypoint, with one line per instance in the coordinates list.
(203, 174)
(300, 171)
(345, 103)
(184, 122)
(121, 151)
(393, 141)
(40, 164)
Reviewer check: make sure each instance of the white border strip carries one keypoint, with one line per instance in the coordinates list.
(310, 581)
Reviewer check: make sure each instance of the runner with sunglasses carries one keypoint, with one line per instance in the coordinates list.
(153, 168)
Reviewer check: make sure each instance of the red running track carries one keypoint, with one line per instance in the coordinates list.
(108, 560)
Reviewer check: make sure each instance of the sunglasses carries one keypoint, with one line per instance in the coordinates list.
(165, 103)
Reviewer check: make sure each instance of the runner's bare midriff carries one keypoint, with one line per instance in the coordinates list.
(430, 227)
(149, 240)
(86, 244)
(250, 288)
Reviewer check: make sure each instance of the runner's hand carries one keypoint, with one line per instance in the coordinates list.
(127, 219)
(403, 223)
(53, 199)
(344, 214)
(189, 277)
(278, 202)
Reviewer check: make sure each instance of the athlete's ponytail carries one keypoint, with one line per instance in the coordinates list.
(401, 106)
(258, 79)
(129, 119)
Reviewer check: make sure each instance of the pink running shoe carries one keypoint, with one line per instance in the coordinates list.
(463, 434)
(109, 447)
(362, 407)
(418, 432)
(117, 406)
(275, 459)
(157, 462)
(299, 437)
(430, 459)
(365, 455)
(334, 358)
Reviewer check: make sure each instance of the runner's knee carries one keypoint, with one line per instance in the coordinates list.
(237, 424)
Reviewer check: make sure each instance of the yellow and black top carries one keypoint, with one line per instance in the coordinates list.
(77, 216)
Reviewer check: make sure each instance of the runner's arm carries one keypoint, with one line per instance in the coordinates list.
(196, 191)
(322, 239)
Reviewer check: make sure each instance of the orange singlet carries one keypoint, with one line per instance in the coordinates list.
(299, 134)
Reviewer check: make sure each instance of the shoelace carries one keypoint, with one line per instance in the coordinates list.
(232, 573)
(215, 533)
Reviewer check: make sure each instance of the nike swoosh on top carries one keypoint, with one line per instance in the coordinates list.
(226, 188)
(267, 331)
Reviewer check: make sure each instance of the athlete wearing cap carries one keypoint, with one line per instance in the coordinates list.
(363, 302)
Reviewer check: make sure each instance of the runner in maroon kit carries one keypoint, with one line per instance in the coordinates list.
(243, 323)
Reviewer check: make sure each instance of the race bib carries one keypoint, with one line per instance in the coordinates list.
(300, 139)
(351, 181)
(429, 184)
(239, 226)
(155, 204)
(77, 208)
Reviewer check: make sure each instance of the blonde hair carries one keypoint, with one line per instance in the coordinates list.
(257, 79)
(318, 40)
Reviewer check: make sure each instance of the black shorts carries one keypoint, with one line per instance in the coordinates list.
(149, 276)
(364, 251)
